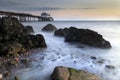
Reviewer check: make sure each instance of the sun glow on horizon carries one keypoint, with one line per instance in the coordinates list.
(83, 14)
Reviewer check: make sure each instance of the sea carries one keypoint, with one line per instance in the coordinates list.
(78, 56)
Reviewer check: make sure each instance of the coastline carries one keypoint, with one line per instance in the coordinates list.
(71, 56)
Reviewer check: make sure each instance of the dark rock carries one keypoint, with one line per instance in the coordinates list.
(101, 61)
(49, 28)
(64, 73)
(11, 48)
(93, 57)
(110, 67)
(60, 73)
(16, 78)
(0, 21)
(61, 32)
(24, 61)
(38, 41)
(30, 29)
(84, 36)
(12, 29)
(16, 39)
(7, 74)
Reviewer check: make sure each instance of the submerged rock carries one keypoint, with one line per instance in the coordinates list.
(93, 57)
(84, 36)
(110, 67)
(101, 61)
(49, 28)
(16, 78)
(64, 73)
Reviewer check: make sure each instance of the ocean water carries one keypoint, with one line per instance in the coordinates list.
(60, 53)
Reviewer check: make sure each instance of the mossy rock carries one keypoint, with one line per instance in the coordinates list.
(72, 74)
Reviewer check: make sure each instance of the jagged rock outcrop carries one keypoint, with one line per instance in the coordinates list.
(16, 39)
(64, 73)
(49, 28)
(84, 36)
(30, 29)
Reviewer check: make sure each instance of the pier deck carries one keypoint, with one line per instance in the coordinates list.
(25, 17)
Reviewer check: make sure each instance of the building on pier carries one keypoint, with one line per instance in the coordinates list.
(46, 17)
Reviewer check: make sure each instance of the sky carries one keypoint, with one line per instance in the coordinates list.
(66, 9)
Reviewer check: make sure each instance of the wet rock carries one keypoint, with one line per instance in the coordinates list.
(24, 61)
(7, 74)
(64, 73)
(16, 78)
(80, 46)
(84, 36)
(0, 21)
(38, 41)
(49, 28)
(30, 29)
(101, 61)
(1, 76)
(60, 73)
(11, 27)
(110, 67)
(93, 57)
(61, 32)
(15, 38)
(12, 48)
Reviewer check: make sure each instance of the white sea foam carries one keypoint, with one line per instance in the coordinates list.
(71, 55)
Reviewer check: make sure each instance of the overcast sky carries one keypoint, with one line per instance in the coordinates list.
(82, 8)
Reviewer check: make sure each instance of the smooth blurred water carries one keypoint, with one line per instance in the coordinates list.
(72, 55)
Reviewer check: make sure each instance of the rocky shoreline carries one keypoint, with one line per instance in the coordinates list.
(16, 40)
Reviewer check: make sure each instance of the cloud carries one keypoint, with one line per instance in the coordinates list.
(9, 3)
(34, 5)
(40, 8)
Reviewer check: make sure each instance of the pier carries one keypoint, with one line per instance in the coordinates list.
(25, 17)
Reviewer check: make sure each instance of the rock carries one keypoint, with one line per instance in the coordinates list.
(30, 29)
(93, 57)
(60, 73)
(61, 32)
(1, 76)
(24, 61)
(12, 48)
(15, 38)
(0, 21)
(101, 61)
(16, 78)
(64, 73)
(84, 36)
(49, 28)
(110, 67)
(7, 74)
(38, 41)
